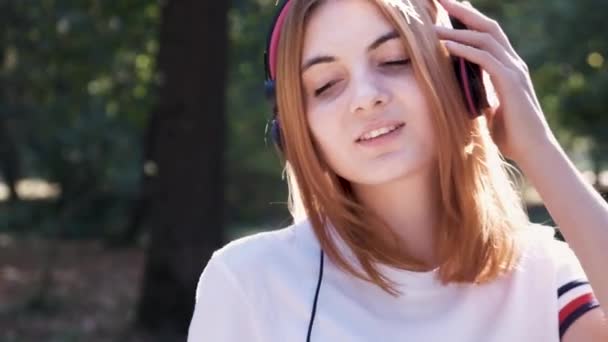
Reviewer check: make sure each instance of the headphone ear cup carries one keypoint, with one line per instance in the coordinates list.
(275, 133)
(274, 130)
(273, 124)
(472, 77)
(269, 90)
(470, 80)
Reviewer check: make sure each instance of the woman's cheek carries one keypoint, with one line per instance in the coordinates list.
(322, 127)
(315, 122)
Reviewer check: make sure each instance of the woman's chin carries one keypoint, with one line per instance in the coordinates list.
(389, 172)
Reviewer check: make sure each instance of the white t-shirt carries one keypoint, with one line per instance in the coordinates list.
(262, 287)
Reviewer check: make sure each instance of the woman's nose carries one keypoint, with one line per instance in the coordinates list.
(368, 93)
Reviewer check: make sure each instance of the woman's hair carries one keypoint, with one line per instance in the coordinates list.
(480, 209)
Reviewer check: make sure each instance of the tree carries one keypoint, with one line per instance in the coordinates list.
(185, 170)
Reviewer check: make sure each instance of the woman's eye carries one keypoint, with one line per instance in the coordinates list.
(397, 62)
(319, 91)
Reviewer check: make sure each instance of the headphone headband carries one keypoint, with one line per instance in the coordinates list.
(273, 41)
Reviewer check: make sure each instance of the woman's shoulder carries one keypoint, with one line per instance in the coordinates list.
(570, 288)
(235, 281)
(542, 247)
(540, 241)
(267, 247)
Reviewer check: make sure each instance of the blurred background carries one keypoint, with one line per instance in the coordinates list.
(132, 146)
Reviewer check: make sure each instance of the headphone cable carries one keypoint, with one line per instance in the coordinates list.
(314, 305)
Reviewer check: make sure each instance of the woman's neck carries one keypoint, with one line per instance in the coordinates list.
(410, 207)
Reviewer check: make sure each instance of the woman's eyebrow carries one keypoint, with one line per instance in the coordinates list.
(383, 39)
(329, 59)
(317, 60)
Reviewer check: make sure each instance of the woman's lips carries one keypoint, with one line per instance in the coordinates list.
(371, 126)
(382, 139)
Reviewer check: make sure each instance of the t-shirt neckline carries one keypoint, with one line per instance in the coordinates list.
(406, 280)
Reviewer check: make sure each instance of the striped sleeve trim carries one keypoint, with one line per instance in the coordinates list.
(574, 299)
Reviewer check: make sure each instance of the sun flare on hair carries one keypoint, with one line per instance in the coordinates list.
(406, 7)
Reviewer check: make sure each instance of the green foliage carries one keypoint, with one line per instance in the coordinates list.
(578, 68)
(77, 82)
(564, 45)
(254, 191)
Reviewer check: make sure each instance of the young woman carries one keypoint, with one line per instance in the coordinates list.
(407, 226)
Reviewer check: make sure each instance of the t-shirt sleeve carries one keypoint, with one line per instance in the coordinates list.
(575, 295)
(222, 311)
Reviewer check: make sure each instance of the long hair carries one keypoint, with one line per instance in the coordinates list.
(480, 209)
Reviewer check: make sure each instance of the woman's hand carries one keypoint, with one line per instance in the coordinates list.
(517, 125)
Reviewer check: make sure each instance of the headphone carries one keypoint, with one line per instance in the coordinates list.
(469, 75)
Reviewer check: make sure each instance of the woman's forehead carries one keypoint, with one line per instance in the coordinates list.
(343, 23)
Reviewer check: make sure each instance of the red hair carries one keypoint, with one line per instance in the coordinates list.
(480, 209)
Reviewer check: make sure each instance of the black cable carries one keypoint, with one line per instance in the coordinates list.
(314, 305)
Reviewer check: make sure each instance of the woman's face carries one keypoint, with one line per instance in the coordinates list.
(358, 82)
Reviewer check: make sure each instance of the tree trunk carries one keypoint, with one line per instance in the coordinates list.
(9, 158)
(186, 197)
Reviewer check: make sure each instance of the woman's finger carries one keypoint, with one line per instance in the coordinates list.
(502, 77)
(475, 20)
(479, 40)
